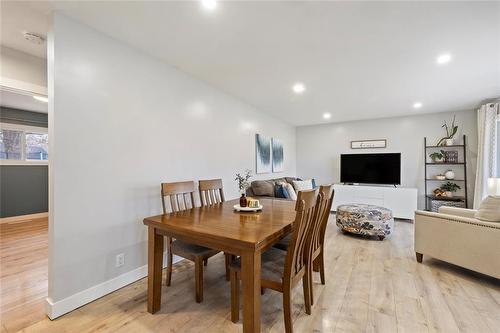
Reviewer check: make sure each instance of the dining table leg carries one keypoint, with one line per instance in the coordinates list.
(250, 277)
(155, 263)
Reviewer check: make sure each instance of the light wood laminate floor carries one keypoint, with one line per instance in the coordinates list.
(23, 273)
(372, 286)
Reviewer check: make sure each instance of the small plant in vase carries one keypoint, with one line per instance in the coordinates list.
(437, 156)
(449, 188)
(450, 133)
(243, 184)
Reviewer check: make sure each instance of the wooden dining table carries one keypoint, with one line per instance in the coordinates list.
(221, 227)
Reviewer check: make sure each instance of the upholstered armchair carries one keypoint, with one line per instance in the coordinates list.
(454, 235)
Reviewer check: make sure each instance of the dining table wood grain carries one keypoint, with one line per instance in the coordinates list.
(220, 227)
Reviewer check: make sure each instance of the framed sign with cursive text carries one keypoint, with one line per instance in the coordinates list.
(367, 144)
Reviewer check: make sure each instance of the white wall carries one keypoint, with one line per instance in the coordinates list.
(319, 147)
(23, 71)
(122, 122)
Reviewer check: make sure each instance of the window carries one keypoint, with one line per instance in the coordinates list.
(37, 146)
(23, 144)
(11, 144)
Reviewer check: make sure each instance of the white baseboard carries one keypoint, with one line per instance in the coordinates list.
(68, 304)
(23, 218)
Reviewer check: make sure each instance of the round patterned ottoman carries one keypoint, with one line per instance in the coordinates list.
(365, 220)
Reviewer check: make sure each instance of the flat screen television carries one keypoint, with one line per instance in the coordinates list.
(381, 168)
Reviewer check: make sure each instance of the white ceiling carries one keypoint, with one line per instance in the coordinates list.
(18, 17)
(358, 60)
(20, 101)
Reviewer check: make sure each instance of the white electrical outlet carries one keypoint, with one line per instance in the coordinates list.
(120, 260)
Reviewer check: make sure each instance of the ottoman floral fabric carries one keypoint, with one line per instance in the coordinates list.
(365, 219)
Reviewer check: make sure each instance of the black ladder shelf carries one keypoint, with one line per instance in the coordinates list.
(463, 164)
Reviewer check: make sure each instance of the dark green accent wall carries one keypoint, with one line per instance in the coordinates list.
(22, 117)
(24, 189)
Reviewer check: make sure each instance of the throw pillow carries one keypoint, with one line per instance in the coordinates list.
(302, 185)
(290, 191)
(280, 191)
(263, 188)
(285, 192)
(489, 210)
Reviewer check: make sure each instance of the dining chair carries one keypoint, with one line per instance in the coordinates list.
(181, 197)
(211, 193)
(316, 241)
(280, 270)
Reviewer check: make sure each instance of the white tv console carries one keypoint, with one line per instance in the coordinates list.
(401, 200)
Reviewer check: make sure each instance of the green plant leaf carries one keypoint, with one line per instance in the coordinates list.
(440, 142)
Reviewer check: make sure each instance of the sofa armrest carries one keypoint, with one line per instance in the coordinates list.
(463, 212)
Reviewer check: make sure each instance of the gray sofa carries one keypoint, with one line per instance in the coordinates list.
(266, 188)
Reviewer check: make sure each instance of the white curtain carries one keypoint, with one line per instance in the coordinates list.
(487, 149)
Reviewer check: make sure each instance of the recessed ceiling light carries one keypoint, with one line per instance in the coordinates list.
(41, 98)
(299, 88)
(326, 115)
(417, 105)
(443, 58)
(209, 4)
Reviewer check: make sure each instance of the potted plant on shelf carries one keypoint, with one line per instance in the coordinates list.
(449, 188)
(243, 184)
(437, 156)
(450, 133)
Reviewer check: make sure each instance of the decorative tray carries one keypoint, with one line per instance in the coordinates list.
(238, 208)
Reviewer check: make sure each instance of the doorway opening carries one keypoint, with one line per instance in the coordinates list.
(24, 159)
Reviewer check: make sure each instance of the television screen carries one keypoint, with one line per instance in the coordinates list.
(371, 168)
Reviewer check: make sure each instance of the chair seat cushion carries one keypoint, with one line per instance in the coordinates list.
(283, 243)
(186, 249)
(273, 264)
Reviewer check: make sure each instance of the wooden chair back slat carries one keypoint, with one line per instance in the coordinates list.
(176, 193)
(296, 256)
(211, 192)
(172, 204)
(324, 205)
(178, 201)
(212, 196)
